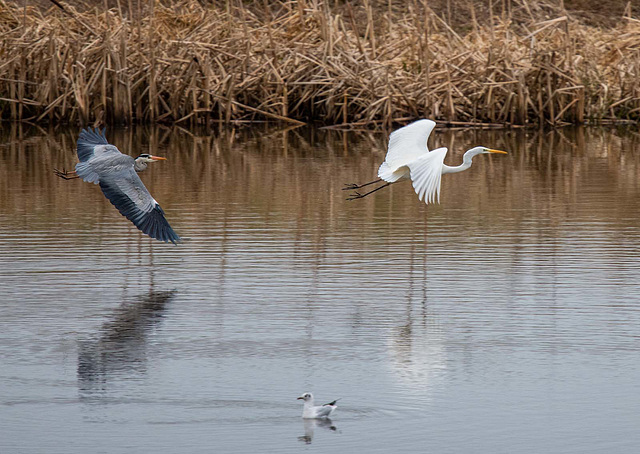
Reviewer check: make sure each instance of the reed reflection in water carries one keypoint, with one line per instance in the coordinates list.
(507, 312)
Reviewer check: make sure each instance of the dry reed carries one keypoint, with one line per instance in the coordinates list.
(304, 60)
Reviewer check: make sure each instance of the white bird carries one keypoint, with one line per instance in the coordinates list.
(311, 411)
(409, 158)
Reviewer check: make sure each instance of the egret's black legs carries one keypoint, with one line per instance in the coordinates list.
(66, 174)
(357, 195)
(351, 186)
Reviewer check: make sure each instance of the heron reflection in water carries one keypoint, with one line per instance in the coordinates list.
(310, 426)
(121, 347)
(103, 164)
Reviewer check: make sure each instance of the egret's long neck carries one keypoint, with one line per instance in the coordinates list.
(466, 161)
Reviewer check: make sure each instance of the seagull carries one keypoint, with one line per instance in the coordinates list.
(103, 164)
(316, 412)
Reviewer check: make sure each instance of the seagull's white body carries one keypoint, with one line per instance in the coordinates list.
(409, 158)
(312, 411)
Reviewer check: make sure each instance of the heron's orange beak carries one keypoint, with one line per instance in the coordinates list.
(497, 151)
(158, 158)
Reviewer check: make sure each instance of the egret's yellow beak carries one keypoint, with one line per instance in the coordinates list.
(497, 151)
(160, 158)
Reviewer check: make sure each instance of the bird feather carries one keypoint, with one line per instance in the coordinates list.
(426, 174)
(324, 411)
(88, 140)
(408, 143)
(136, 204)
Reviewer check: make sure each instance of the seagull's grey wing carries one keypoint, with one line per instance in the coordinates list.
(324, 411)
(332, 403)
(127, 193)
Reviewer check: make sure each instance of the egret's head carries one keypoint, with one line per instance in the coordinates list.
(145, 157)
(306, 397)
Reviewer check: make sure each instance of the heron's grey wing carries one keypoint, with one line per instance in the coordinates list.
(97, 156)
(87, 141)
(127, 193)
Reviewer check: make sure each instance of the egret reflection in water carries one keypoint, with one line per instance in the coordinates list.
(416, 352)
(121, 345)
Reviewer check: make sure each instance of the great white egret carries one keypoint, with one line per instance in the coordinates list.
(103, 164)
(409, 158)
(140, 165)
(310, 411)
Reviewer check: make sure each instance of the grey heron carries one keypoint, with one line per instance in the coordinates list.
(103, 164)
(408, 158)
(140, 164)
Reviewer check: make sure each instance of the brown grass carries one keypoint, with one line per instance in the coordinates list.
(304, 60)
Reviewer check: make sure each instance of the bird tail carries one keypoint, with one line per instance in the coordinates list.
(388, 174)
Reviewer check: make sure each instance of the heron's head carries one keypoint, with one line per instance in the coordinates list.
(306, 397)
(145, 157)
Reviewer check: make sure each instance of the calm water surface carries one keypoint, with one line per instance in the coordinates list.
(506, 319)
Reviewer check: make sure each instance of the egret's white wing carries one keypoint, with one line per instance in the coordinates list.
(408, 143)
(426, 173)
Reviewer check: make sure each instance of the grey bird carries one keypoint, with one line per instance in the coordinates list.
(140, 165)
(103, 164)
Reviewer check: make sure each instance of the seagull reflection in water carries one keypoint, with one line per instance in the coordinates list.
(311, 424)
(121, 346)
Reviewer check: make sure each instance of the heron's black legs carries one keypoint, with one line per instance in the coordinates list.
(351, 186)
(357, 195)
(66, 174)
